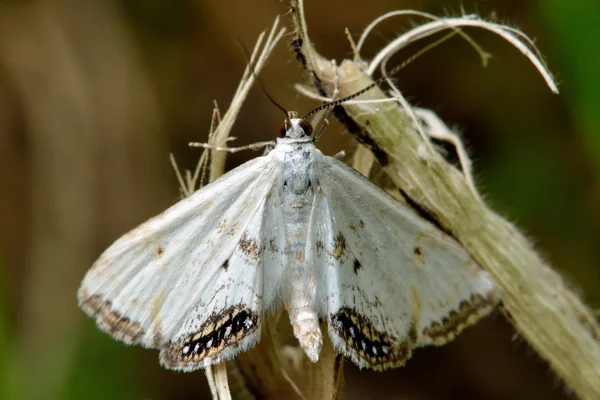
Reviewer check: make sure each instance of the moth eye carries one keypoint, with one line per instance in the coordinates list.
(307, 127)
(281, 130)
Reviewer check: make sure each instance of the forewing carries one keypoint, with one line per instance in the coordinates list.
(228, 316)
(394, 280)
(182, 268)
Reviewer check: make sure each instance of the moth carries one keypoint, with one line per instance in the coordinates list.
(296, 229)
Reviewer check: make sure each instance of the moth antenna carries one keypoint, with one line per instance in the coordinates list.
(260, 84)
(381, 79)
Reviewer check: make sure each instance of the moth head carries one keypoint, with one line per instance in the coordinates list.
(294, 128)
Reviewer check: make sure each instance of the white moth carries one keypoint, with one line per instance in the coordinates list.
(293, 228)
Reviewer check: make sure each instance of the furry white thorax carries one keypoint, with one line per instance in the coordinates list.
(297, 193)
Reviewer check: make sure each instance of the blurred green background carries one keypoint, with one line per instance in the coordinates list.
(94, 95)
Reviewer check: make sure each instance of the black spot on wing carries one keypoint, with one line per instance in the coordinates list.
(418, 251)
(357, 266)
(320, 246)
(225, 264)
(365, 345)
(273, 246)
(221, 330)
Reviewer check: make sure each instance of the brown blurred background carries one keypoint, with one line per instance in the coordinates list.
(94, 95)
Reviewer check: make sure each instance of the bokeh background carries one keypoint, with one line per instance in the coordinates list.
(95, 94)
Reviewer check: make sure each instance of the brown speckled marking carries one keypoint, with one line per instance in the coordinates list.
(250, 247)
(160, 251)
(468, 312)
(233, 230)
(339, 246)
(361, 223)
(221, 225)
(110, 320)
(352, 227)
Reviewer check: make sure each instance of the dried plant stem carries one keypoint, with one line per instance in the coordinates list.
(326, 377)
(543, 309)
(264, 369)
(216, 375)
(257, 60)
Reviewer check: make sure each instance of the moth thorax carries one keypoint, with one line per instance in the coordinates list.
(292, 114)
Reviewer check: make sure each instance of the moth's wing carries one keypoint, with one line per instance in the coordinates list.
(191, 270)
(394, 280)
(227, 318)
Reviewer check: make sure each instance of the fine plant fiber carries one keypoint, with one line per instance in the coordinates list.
(546, 313)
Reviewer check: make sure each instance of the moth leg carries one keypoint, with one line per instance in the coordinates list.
(339, 155)
(252, 146)
(333, 97)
